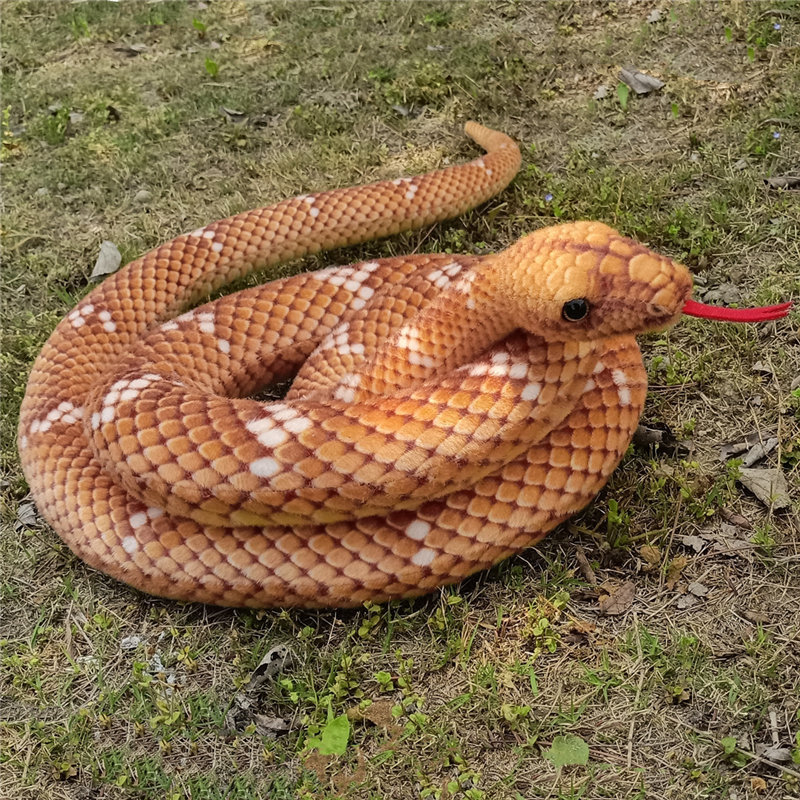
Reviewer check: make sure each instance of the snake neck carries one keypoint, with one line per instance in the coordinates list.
(460, 324)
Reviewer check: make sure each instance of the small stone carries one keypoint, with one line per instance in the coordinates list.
(42, 192)
(143, 196)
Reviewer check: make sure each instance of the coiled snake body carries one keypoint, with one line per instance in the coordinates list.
(447, 411)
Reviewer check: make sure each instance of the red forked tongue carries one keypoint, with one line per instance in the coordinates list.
(695, 309)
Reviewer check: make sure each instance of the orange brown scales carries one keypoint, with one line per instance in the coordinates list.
(444, 415)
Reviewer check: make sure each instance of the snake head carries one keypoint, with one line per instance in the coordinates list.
(583, 280)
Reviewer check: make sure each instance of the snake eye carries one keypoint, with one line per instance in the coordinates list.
(575, 310)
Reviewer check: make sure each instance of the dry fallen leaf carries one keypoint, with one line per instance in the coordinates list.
(271, 727)
(695, 542)
(242, 709)
(586, 567)
(725, 293)
(619, 600)
(276, 660)
(26, 516)
(762, 368)
(640, 82)
(759, 451)
(756, 617)
(581, 626)
(676, 567)
(731, 449)
(768, 485)
(651, 555)
(776, 753)
(697, 589)
(108, 260)
(233, 114)
(731, 546)
(132, 49)
(659, 438)
(783, 182)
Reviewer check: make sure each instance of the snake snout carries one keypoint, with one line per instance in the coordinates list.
(665, 306)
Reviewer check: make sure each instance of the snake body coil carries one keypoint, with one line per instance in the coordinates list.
(447, 411)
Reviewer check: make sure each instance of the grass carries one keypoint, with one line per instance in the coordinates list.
(213, 108)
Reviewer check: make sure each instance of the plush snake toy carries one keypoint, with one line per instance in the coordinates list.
(447, 411)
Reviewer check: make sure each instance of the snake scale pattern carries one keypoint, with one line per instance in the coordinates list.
(445, 413)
